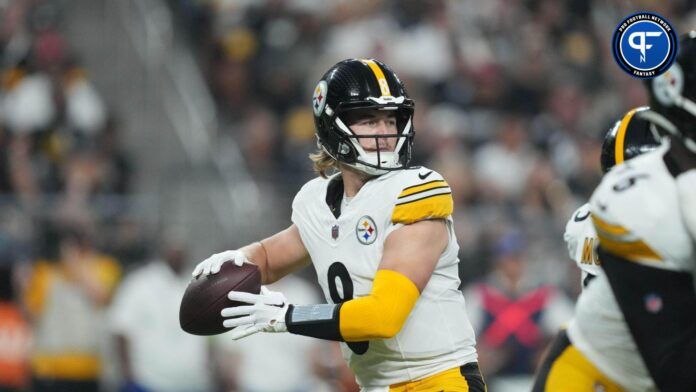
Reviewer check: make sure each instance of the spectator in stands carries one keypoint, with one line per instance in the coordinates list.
(504, 165)
(155, 355)
(15, 334)
(65, 299)
(513, 316)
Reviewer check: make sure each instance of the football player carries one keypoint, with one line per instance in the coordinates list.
(631, 136)
(635, 325)
(645, 217)
(379, 234)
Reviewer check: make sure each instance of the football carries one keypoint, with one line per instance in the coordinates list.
(206, 296)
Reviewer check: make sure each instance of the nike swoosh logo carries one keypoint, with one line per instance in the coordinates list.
(579, 218)
(424, 176)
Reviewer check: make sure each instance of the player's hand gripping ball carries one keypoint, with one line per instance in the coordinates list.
(207, 294)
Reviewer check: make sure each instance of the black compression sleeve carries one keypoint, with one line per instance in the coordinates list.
(317, 321)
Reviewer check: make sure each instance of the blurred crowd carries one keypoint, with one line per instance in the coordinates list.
(512, 100)
(513, 97)
(89, 292)
(64, 214)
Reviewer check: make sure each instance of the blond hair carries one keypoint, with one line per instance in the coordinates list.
(322, 162)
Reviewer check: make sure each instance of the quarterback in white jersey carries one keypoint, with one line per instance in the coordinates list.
(380, 237)
(348, 248)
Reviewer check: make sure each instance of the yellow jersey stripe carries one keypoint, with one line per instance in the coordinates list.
(427, 196)
(621, 137)
(426, 190)
(379, 75)
(634, 250)
(412, 190)
(601, 225)
(417, 185)
(437, 206)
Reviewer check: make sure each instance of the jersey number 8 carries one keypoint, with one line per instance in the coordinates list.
(338, 270)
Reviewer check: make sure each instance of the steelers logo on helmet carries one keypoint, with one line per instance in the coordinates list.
(673, 94)
(319, 97)
(644, 45)
(669, 86)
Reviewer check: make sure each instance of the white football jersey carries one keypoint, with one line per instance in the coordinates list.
(637, 208)
(581, 239)
(346, 252)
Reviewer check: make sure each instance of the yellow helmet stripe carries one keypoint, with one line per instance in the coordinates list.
(379, 75)
(621, 136)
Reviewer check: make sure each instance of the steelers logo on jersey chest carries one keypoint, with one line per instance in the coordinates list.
(366, 230)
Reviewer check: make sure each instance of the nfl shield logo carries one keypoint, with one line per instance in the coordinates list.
(334, 232)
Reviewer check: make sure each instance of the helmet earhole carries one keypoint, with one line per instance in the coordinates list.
(343, 149)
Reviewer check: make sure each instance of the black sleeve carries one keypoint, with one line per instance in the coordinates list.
(317, 321)
(322, 322)
(660, 309)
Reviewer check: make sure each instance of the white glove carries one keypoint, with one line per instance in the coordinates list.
(266, 313)
(212, 264)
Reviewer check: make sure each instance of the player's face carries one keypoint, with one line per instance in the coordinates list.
(375, 122)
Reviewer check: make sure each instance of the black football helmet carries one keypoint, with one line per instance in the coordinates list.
(359, 84)
(631, 136)
(673, 94)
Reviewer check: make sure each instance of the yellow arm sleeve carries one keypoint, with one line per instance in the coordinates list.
(382, 314)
